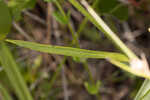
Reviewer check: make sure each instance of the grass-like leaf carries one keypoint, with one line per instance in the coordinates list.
(5, 20)
(4, 94)
(144, 92)
(12, 72)
(114, 58)
(69, 51)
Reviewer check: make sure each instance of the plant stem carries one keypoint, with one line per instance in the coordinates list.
(100, 24)
(85, 20)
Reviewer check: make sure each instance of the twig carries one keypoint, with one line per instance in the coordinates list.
(64, 82)
(49, 22)
(35, 17)
(21, 31)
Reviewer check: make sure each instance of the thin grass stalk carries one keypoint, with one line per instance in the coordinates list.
(101, 25)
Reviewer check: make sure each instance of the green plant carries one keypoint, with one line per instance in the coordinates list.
(122, 61)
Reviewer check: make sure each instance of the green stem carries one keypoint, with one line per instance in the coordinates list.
(57, 73)
(86, 67)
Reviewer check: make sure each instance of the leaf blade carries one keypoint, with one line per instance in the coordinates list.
(5, 20)
(143, 93)
(13, 74)
(69, 51)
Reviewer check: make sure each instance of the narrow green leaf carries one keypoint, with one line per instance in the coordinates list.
(144, 92)
(12, 72)
(4, 94)
(69, 51)
(5, 20)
